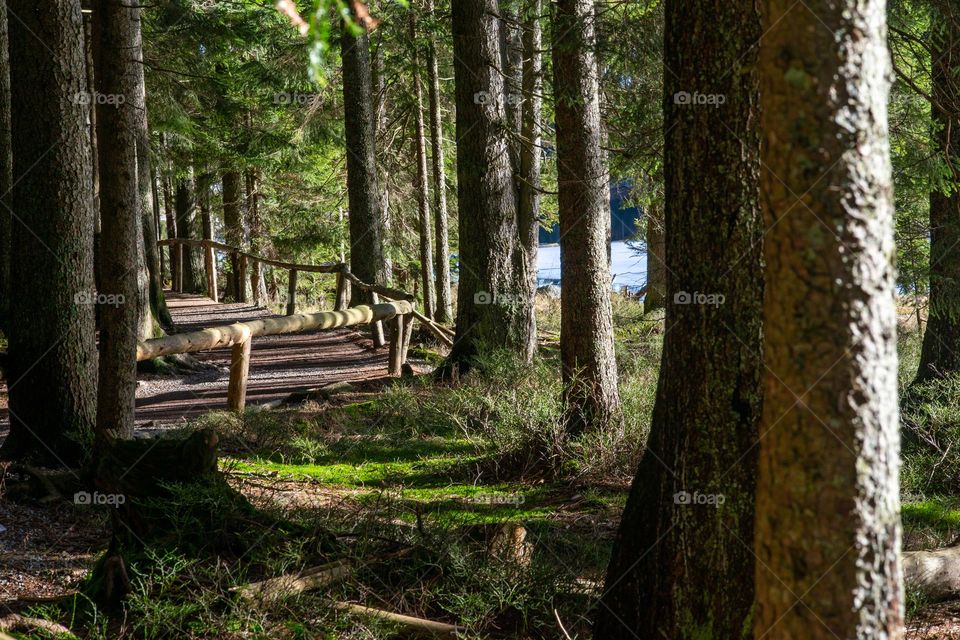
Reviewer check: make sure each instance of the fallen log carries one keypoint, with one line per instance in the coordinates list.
(23, 624)
(289, 585)
(419, 625)
(935, 573)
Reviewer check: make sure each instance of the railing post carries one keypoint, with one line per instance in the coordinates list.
(376, 329)
(407, 334)
(239, 371)
(178, 278)
(292, 293)
(343, 293)
(210, 264)
(395, 360)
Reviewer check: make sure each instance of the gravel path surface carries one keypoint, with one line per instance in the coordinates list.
(279, 365)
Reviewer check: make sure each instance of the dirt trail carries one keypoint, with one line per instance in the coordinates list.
(279, 365)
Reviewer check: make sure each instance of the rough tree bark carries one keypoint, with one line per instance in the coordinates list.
(528, 219)
(940, 355)
(682, 566)
(6, 169)
(656, 297)
(366, 222)
(258, 242)
(233, 230)
(828, 506)
(494, 298)
(120, 215)
(379, 84)
(188, 227)
(591, 397)
(444, 309)
(174, 253)
(422, 187)
(158, 311)
(52, 355)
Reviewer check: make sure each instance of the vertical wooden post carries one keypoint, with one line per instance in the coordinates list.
(239, 371)
(343, 292)
(242, 279)
(407, 334)
(210, 265)
(178, 277)
(376, 329)
(255, 268)
(291, 293)
(395, 360)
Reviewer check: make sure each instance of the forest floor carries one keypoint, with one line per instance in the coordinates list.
(447, 501)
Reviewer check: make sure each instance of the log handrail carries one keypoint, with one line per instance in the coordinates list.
(240, 335)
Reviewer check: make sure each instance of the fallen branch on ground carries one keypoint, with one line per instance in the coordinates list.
(422, 625)
(17, 622)
(288, 585)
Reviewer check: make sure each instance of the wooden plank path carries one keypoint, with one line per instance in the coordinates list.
(280, 365)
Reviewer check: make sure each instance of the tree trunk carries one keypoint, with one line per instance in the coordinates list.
(233, 230)
(530, 139)
(6, 170)
(194, 280)
(444, 307)
(114, 26)
(940, 355)
(174, 254)
(591, 398)
(828, 504)
(206, 229)
(682, 566)
(258, 244)
(52, 355)
(423, 190)
(656, 297)
(494, 301)
(379, 85)
(158, 311)
(366, 223)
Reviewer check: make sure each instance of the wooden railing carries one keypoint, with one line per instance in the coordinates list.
(398, 310)
(239, 337)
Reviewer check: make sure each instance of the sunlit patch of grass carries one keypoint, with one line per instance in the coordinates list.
(932, 522)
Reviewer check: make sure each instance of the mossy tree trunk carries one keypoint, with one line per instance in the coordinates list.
(940, 355)
(367, 259)
(114, 27)
(188, 227)
(52, 355)
(444, 310)
(495, 293)
(422, 185)
(828, 504)
(145, 186)
(233, 230)
(683, 566)
(591, 397)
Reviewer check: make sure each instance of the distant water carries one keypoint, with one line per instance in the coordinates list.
(628, 266)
